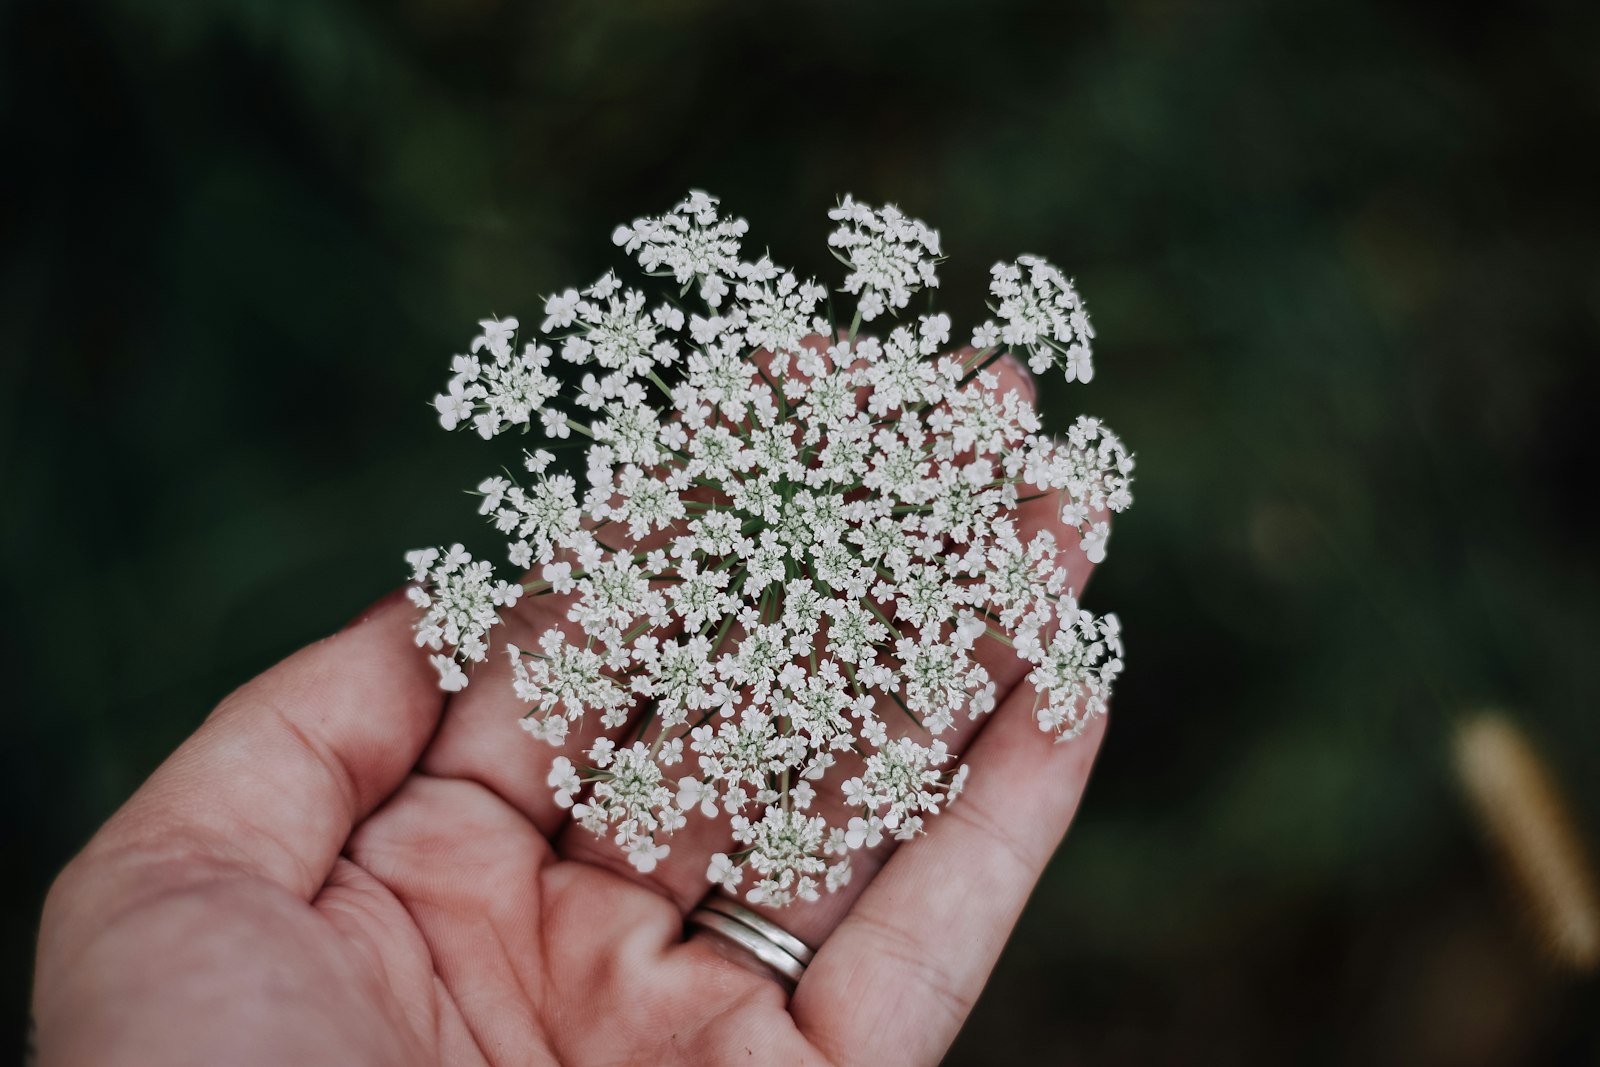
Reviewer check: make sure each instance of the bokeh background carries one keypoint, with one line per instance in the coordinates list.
(1344, 260)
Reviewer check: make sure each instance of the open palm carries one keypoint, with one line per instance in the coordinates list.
(343, 865)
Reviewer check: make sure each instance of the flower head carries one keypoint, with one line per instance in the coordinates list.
(787, 546)
(1041, 313)
(890, 255)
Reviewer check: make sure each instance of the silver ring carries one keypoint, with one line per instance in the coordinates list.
(768, 942)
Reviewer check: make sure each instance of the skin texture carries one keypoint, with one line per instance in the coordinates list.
(345, 865)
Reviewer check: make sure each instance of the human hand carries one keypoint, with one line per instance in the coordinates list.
(345, 865)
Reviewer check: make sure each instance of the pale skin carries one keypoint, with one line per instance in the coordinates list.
(346, 865)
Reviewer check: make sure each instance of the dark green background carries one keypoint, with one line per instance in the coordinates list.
(1344, 265)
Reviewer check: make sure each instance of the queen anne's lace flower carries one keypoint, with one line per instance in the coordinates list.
(787, 543)
(1040, 311)
(890, 256)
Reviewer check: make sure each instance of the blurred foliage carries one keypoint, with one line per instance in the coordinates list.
(1343, 261)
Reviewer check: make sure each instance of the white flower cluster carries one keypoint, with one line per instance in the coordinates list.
(889, 255)
(1040, 311)
(788, 544)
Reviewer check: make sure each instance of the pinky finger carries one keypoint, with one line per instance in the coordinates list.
(897, 978)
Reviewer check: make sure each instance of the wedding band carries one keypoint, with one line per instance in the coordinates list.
(768, 942)
(762, 925)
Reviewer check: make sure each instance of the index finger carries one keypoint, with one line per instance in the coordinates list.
(276, 778)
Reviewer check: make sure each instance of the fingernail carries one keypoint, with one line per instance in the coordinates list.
(1029, 386)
